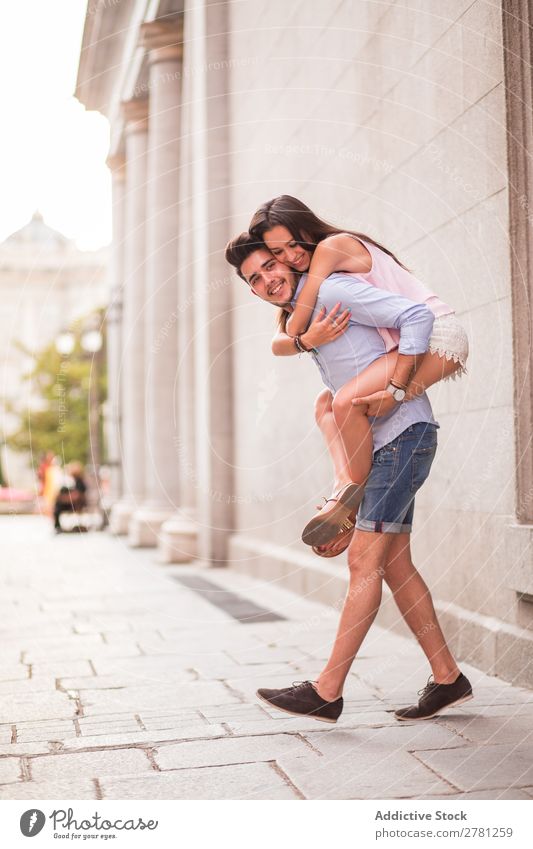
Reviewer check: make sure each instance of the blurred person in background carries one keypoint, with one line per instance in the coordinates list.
(72, 495)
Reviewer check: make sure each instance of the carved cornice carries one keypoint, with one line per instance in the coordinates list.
(163, 39)
(135, 113)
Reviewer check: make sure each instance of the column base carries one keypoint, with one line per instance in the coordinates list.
(144, 526)
(119, 517)
(178, 539)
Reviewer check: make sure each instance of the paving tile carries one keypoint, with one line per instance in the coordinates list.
(134, 638)
(175, 732)
(36, 706)
(165, 717)
(253, 655)
(37, 747)
(236, 672)
(90, 726)
(89, 764)
(24, 629)
(106, 623)
(29, 732)
(360, 765)
(41, 684)
(77, 648)
(121, 679)
(10, 770)
(483, 767)
(35, 645)
(61, 668)
(509, 728)
(239, 781)
(137, 699)
(232, 750)
(398, 737)
(6, 733)
(11, 655)
(496, 794)
(49, 790)
(517, 709)
(160, 668)
(14, 672)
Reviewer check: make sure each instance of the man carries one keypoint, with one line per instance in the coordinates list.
(405, 442)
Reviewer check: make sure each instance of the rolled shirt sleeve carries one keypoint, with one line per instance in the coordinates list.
(378, 308)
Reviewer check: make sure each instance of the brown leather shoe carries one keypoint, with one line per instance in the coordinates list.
(435, 698)
(303, 700)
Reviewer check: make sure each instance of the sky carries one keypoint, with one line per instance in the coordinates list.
(52, 151)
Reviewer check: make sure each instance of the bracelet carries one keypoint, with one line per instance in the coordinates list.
(301, 347)
(398, 385)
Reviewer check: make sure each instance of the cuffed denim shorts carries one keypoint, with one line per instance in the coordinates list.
(398, 471)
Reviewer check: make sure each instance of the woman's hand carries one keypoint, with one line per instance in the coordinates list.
(326, 327)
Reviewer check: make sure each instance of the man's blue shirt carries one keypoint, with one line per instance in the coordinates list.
(361, 343)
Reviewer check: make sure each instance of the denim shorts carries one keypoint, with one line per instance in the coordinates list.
(398, 471)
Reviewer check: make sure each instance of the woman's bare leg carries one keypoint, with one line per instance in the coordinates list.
(332, 437)
(432, 369)
(353, 422)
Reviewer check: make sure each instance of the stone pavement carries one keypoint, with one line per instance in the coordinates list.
(119, 682)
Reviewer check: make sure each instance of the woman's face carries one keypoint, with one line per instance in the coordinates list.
(285, 248)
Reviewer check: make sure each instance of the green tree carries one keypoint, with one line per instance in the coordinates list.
(58, 416)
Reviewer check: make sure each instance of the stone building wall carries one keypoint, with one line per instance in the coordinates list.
(389, 119)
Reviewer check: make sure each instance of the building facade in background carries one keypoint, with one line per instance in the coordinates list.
(46, 283)
(403, 121)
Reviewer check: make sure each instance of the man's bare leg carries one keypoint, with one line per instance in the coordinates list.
(367, 556)
(414, 601)
(372, 557)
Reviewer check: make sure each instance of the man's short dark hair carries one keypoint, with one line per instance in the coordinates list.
(239, 249)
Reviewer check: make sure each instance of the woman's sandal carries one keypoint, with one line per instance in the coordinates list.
(340, 519)
(333, 551)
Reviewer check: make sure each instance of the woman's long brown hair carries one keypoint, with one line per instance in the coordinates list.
(306, 228)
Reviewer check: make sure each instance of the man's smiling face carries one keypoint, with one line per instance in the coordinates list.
(269, 278)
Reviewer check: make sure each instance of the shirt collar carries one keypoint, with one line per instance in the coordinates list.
(299, 288)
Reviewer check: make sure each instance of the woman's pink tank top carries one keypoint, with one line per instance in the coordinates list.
(387, 274)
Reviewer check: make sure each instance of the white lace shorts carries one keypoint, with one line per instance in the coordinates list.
(449, 340)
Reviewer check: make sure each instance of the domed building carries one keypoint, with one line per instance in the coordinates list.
(45, 283)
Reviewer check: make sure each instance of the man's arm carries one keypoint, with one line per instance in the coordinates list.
(379, 308)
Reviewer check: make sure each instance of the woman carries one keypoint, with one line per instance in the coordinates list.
(306, 243)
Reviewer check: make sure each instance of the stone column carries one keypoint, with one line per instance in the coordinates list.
(132, 362)
(163, 40)
(116, 164)
(178, 538)
(211, 278)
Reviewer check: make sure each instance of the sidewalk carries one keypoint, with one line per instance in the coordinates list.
(119, 680)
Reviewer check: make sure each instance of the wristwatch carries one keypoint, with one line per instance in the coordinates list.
(396, 391)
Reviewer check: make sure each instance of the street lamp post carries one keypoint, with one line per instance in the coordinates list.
(91, 342)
